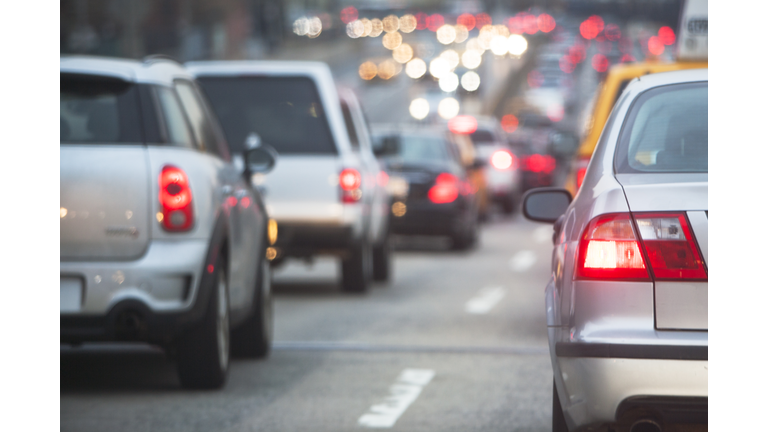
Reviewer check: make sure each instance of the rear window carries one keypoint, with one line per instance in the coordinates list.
(98, 110)
(482, 136)
(419, 149)
(285, 111)
(666, 131)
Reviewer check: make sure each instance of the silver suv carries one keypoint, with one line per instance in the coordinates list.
(328, 193)
(162, 239)
(627, 302)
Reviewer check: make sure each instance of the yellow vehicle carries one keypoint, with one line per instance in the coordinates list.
(617, 78)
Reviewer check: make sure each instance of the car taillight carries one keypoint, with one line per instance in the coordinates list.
(609, 250)
(581, 171)
(669, 244)
(175, 200)
(540, 163)
(445, 190)
(350, 181)
(502, 159)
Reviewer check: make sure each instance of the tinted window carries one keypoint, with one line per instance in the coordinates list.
(350, 126)
(176, 126)
(482, 136)
(285, 112)
(418, 149)
(201, 126)
(666, 131)
(98, 110)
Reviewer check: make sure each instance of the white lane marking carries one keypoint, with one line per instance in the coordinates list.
(402, 394)
(522, 261)
(485, 300)
(543, 234)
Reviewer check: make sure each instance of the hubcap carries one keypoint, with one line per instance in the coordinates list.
(222, 322)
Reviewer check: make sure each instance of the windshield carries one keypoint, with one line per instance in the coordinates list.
(98, 110)
(666, 131)
(285, 112)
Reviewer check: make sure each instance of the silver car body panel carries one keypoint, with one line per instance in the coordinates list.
(303, 190)
(608, 313)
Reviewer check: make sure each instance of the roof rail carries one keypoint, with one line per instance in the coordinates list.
(159, 57)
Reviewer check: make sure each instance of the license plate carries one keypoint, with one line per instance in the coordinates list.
(71, 295)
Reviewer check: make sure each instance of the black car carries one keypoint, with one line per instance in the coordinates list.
(430, 190)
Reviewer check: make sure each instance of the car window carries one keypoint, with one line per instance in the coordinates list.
(416, 149)
(482, 136)
(98, 110)
(353, 140)
(201, 125)
(667, 131)
(177, 129)
(286, 112)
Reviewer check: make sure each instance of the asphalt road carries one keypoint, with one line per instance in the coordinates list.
(455, 342)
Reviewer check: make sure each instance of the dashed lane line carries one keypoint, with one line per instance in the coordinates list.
(401, 395)
(522, 261)
(485, 300)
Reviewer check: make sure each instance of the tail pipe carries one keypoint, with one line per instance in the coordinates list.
(645, 425)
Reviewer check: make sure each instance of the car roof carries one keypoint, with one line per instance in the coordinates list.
(266, 67)
(155, 70)
(667, 78)
(632, 70)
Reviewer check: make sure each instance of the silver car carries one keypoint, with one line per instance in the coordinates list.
(162, 238)
(626, 305)
(328, 194)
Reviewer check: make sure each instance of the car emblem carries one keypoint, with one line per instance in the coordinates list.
(120, 231)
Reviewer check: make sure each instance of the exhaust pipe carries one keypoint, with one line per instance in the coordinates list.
(645, 425)
(130, 324)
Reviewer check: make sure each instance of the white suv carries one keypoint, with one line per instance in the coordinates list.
(328, 193)
(162, 239)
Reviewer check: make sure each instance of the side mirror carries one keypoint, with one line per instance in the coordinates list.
(259, 160)
(546, 204)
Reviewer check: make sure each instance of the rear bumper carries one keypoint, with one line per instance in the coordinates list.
(601, 384)
(426, 218)
(149, 299)
(307, 229)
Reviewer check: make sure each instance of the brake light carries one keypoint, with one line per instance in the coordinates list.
(581, 171)
(671, 249)
(540, 163)
(502, 159)
(445, 190)
(609, 250)
(350, 181)
(175, 199)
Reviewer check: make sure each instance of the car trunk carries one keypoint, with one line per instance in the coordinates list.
(104, 200)
(678, 305)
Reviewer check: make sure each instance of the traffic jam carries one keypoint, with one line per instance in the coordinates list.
(418, 216)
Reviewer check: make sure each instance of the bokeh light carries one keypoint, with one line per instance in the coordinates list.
(392, 40)
(471, 59)
(301, 26)
(461, 33)
(499, 45)
(434, 22)
(403, 53)
(376, 28)
(407, 23)
(591, 27)
(368, 70)
(348, 14)
(474, 44)
(501, 30)
(419, 108)
(667, 35)
(655, 46)
(530, 24)
(355, 29)
(446, 34)
(389, 68)
(555, 112)
(509, 123)
(612, 32)
(451, 57)
(517, 44)
(485, 37)
(566, 65)
(391, 23)
(482, 19)
(438, 67)
(535, 79)
(421, 20)
(366, 26)
(546, 23)
(449, 82)
(470, 81)
(448, 108)
(600, 63)
(416, 68)
(466, 20)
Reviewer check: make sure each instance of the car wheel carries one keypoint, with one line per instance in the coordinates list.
(558, 418)
(508, 205)
(356, 268)
(381, 259)
(467, 238)
(203, 351)
(253, 338)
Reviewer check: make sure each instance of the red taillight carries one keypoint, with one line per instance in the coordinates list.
(175, 200)
(670, 246)
(350, 181)
(445, 190)
(540, 163)
(609, 250)
(502, 160)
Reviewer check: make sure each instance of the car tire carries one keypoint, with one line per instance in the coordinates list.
(253, 338)
(356, 268)
(508, 205)
(382, 256)
(466, 239)
(203, 350)
(558, 418)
